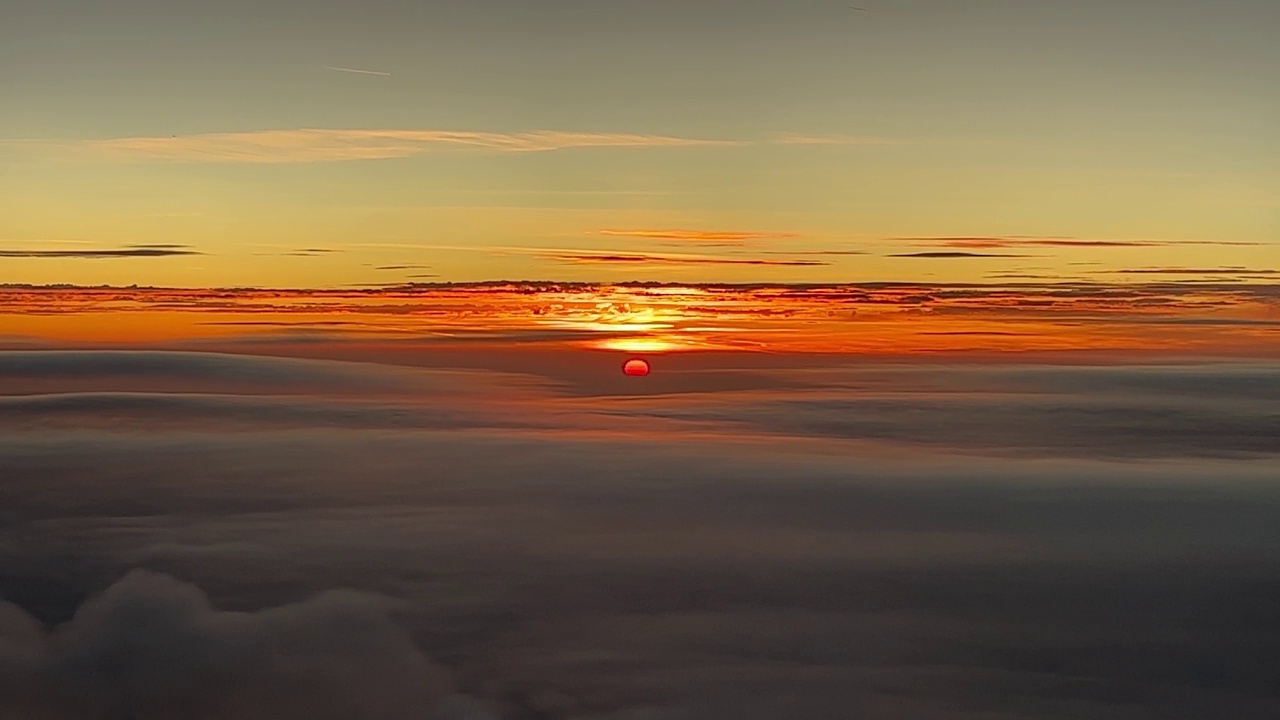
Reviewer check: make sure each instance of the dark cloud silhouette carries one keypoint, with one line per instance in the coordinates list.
(134, 251)
(638, 258)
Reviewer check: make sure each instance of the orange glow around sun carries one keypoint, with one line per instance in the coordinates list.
(864, 319)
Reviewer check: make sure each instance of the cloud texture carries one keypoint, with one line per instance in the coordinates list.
(154, 647)
(747, 537)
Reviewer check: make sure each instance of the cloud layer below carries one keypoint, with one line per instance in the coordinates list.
(508, 534)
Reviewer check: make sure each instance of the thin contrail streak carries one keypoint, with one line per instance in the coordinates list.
(358, 72)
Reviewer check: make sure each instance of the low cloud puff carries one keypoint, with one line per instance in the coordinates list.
(152, 647)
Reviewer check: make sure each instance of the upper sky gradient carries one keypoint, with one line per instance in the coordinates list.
(319, 144)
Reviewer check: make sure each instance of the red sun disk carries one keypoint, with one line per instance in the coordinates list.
(635, 367)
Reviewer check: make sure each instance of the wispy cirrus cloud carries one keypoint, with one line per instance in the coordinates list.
(331, 145)
(130, 251)
(357, 71)
(302, 145)
(304, 252)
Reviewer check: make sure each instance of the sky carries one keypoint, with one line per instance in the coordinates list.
(308, 144)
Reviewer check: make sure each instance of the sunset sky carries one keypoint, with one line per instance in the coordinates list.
(961, 320)
(324, 144)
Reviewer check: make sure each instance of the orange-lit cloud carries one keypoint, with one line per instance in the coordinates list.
(867, 318)
(329, 145)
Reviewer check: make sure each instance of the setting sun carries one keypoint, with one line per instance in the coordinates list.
(636, 367)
